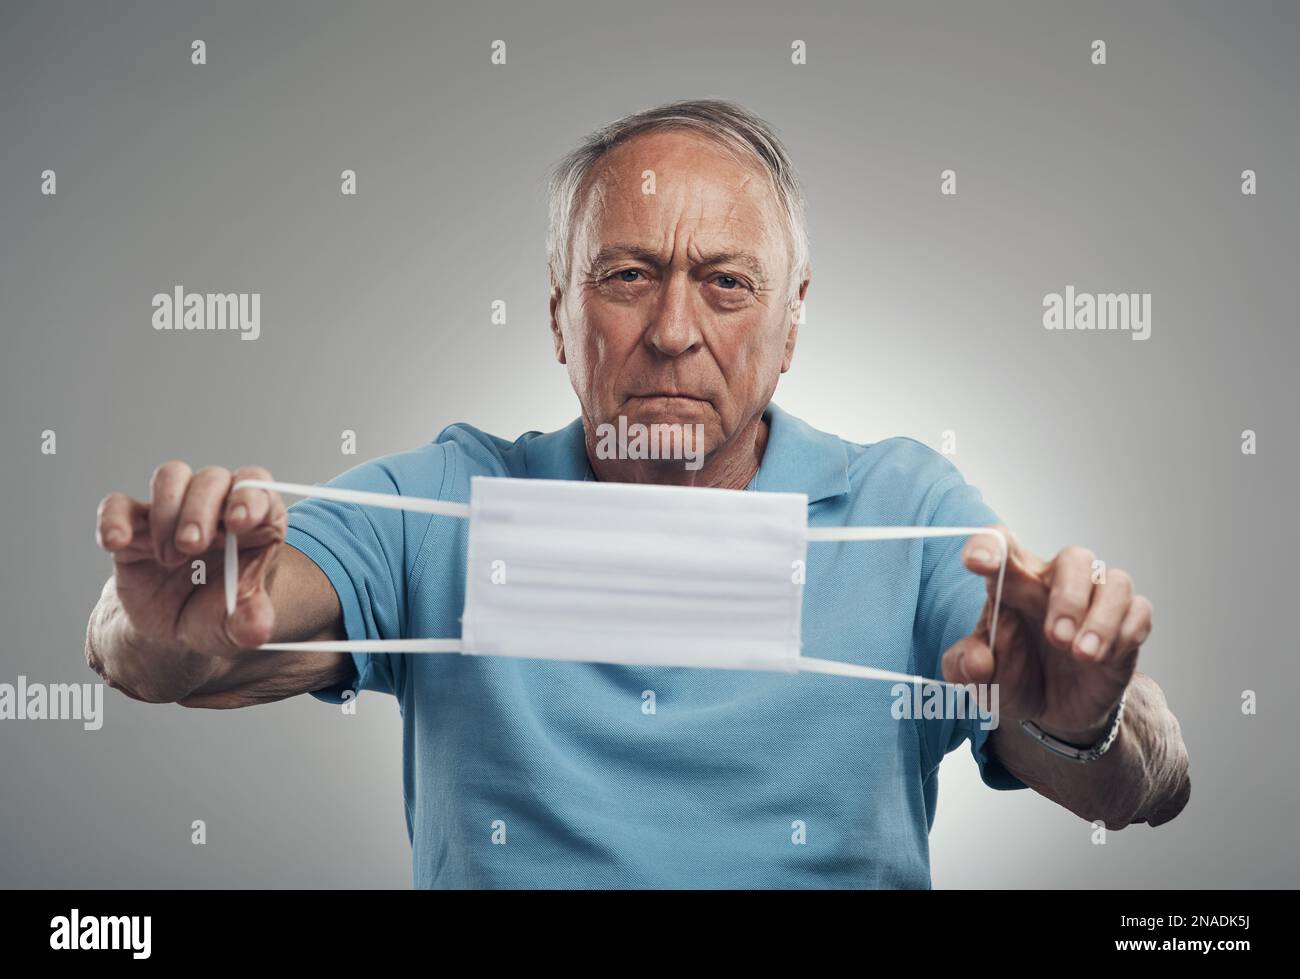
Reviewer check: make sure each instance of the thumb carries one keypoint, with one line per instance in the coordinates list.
(253, 619)
(971, 660)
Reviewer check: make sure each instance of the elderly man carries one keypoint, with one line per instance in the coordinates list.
(679, 261)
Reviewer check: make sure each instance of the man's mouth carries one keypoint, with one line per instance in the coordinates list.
(670, 395)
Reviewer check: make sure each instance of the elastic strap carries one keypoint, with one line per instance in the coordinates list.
(418, 504)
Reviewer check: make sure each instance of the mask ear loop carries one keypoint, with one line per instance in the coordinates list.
(389, 501)
(416, 504)
(837, 668)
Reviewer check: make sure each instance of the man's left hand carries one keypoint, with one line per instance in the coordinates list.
(1067, 642)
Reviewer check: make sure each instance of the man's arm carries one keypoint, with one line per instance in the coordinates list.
(158, 637)
(1142, 778)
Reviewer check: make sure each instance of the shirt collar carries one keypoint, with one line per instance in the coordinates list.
(801, 459)
(798, 458)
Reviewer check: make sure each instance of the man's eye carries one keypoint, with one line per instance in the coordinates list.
(627, 272)
(728, 282)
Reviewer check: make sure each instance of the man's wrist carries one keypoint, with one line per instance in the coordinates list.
(1078, 739)
(1080, 751)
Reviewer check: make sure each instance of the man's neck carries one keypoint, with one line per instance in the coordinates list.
(730, 466)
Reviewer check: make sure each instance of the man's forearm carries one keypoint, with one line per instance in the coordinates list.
(1142, 778)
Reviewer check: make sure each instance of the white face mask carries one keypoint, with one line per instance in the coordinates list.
(634, 574)
(626, 573)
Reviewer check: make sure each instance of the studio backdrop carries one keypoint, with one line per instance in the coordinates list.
(375, 174)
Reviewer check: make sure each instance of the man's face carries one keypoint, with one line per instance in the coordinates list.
(677, 306)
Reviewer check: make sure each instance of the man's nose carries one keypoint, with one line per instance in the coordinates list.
(675, 327)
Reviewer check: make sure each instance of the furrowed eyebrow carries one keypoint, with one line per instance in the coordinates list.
(613, 254)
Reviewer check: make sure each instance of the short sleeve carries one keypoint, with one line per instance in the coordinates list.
(366, 553)
(948, 608)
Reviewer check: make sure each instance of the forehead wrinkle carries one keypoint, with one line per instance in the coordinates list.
(696, 185)
(595, 205)
(591, 204)
(751, 261)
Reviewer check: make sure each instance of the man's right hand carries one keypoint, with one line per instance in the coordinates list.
(158, 636)
(155, 544)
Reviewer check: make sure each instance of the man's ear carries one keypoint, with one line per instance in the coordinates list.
(795, 316)
(557, 335)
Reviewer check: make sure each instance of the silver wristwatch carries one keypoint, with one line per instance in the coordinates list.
(1072, 752)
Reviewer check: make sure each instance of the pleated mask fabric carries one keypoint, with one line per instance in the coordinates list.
(635, 574)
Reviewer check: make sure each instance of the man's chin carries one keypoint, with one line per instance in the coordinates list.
(661, 429)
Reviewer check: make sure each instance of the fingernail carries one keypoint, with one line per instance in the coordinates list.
(1089, 644)
(238, 513)
(1063, 631)
(113, 537)
(190, 534)
(981, 556)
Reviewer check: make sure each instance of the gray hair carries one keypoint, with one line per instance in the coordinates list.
(738, 130)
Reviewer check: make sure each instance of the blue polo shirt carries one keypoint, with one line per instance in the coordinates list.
(540, 773)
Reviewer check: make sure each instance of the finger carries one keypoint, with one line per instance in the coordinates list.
(954, 662)
(971, 660)
(1023, 587)
(253, 618)
(1015, 669)
(248, 507)
(166, 493)
(205, 626)
(1110, 603)
(983, 552)
(1070, 597)
(976, 661)
(196, 526)
(117, 520)
(1135, 628)
(251, 623)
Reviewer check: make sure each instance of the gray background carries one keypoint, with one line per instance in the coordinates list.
(923, 315)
